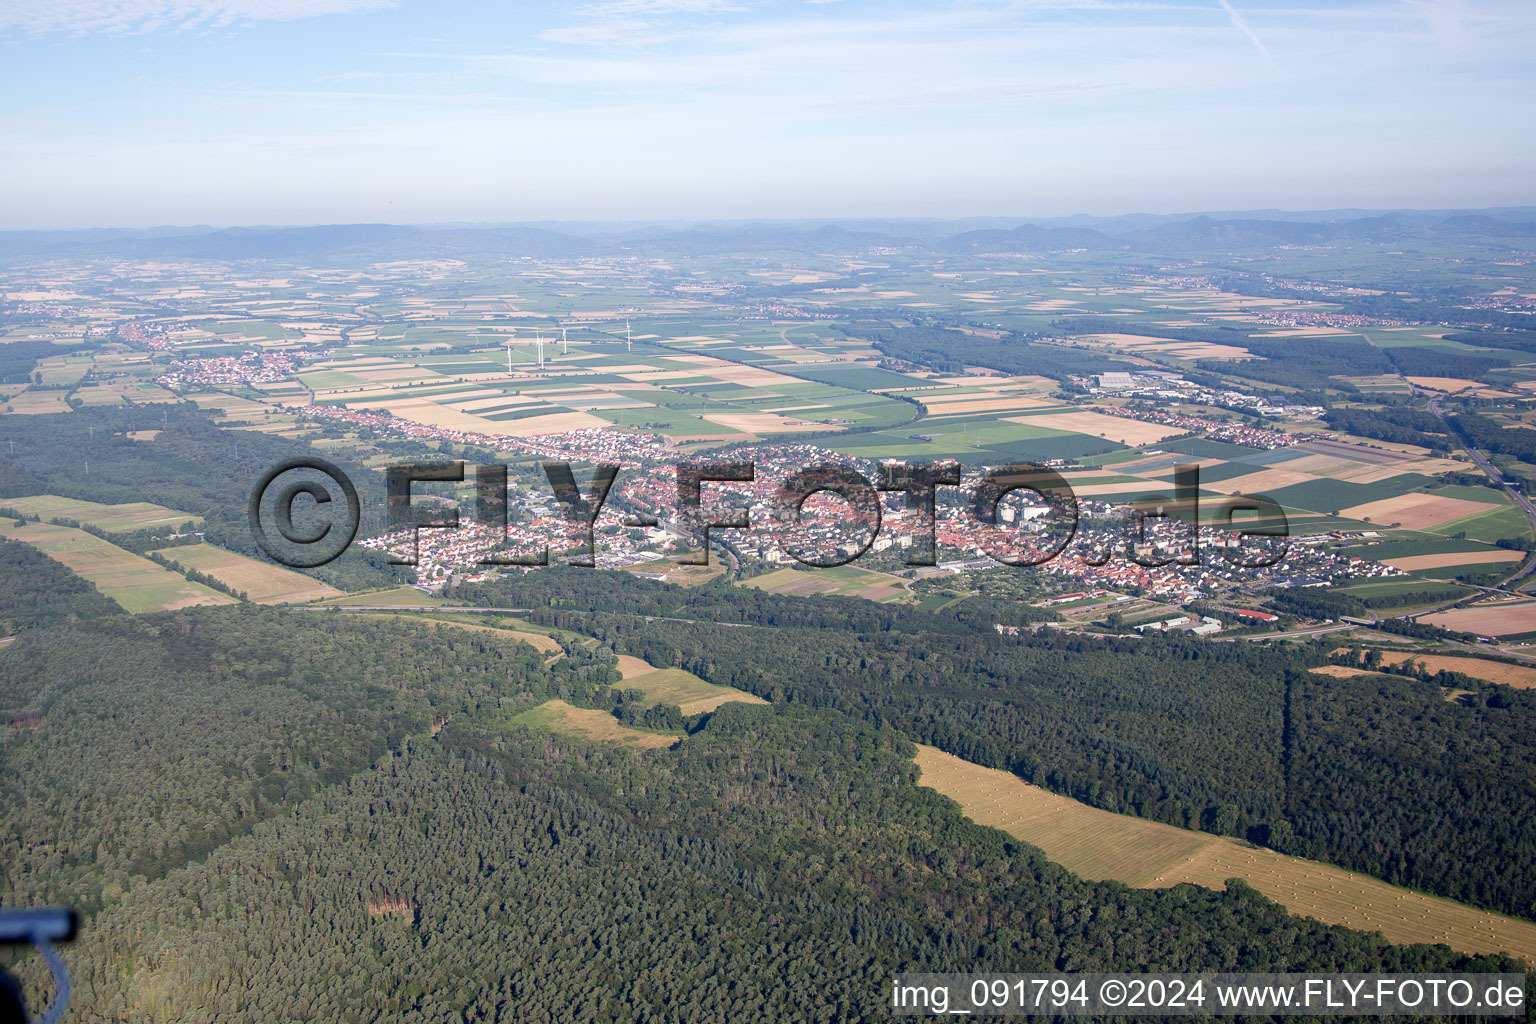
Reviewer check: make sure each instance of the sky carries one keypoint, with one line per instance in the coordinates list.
(132, 113)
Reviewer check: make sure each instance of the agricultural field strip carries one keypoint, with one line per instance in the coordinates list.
(1099, 844)
(262, 582)
(136, 583)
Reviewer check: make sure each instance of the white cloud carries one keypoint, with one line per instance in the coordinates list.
(85, 16)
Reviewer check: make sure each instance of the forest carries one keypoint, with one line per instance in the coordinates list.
(949, 351)
(1201, 734)
(1398, 426)
(1489, 435)
(277, 815)
(190, 465)
(270, 814)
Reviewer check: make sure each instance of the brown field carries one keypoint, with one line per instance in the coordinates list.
(1340, 671)
(1521, 677)
(1417, 511)
(1486, 620)
(1264, 480)
(559, 717)
(431, 413)
(262, 582)
(1450, 384)
(137, 584)
(35, 403)
(1453, 558)
(1096, 424)
(1098, 844)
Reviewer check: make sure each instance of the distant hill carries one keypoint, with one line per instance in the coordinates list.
(362, 243)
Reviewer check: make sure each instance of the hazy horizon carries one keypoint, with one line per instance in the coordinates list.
(151, 112)
(1516, 213)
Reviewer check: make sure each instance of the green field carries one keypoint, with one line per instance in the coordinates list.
(262, 582)
(842, 580)
(557, 716)
(398, 597)
(125, 518)
(690, 694)
(137, 584)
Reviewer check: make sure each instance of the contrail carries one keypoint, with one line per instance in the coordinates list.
(1242, 26)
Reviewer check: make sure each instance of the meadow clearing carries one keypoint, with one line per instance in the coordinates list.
(690, 694)
(540, 642)
(557, 716)
(843, 580)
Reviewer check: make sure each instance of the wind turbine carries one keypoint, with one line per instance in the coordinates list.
(626, 335)
(509, 355)
(541, 349)
(563, 350)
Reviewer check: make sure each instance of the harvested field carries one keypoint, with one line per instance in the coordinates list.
(37, 403)
(1521, 677)
(137, 584)
(1340, 671)
(1417, 511)
(1262, 481)
(1487, 620)
(559, 717)
(1098, 844)
(1354, 452)
(1447, 384)
(261, 582)
(1096, 424)
(1376, 474)
(1451, 558)
(137, 515)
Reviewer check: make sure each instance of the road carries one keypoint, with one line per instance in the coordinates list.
(1295, 633)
